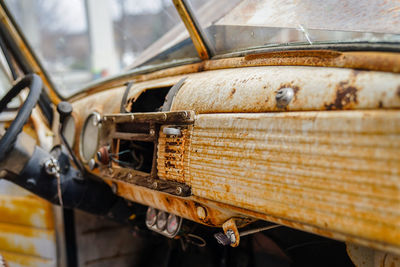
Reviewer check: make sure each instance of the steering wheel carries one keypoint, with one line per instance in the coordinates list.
(34, 83)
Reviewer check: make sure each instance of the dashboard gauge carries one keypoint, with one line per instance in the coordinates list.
(151, 216)
(90, 136)
(161, 220)
(173, 224)
(68, 130)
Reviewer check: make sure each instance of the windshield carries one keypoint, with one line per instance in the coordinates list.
(79, 41)
(232, 25)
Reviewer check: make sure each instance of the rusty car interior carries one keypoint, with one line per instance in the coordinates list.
(270, 156)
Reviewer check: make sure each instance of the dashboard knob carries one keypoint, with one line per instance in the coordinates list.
(103, 156)
(64, 109)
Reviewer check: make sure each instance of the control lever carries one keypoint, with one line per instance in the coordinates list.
(65, 109)
(231, 235)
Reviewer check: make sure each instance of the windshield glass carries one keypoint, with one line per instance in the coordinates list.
(79, 41)
(232, 25)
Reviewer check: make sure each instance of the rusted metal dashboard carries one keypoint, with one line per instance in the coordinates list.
(129, 147)
(323, 158)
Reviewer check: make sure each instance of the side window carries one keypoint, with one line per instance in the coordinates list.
(6, 81)
(5, 75)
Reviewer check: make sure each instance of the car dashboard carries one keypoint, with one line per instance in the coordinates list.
(252, 143)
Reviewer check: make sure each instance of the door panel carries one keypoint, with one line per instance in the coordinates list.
(27, 230)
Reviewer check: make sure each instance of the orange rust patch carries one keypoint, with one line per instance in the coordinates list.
(171, 156)
(233, 91)
(292, 54)
(184, 207)
(346, 96)
(25, 240)
(25, 260)
(28, 211)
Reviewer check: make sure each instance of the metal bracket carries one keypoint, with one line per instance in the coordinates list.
(125, 97)
(171, 95)
(143, 179)
(232, 232)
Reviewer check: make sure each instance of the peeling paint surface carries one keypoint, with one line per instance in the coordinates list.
(27, 230)
(254, 90)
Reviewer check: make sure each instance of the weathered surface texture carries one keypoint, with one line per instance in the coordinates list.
(334, 170)
(27, 230)
(254, 90)
(173, 156)
(330, 166)
(337, 170)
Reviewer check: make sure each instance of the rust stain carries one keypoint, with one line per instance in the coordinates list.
(17, 259)
(346, 97)
(356, 174)
(313, 91)
(184, 207)
(200, 66)
(172, 153)
(27, 240)
(231, 225)
(27, 211)
(233, 91)
(318, 54)
(300, 167)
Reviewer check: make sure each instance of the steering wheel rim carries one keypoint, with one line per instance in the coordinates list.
(34, 83)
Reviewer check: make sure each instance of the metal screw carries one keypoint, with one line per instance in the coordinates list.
(284, 96)
(31, 183)
(155, 185)
(201, 212)
(179, 190)
(51, 166)
(231, 235)
(129, 176)
(152, 132)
